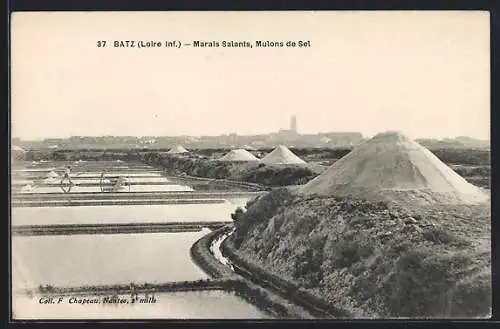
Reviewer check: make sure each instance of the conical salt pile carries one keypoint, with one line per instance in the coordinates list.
(282, 155)
(239, 155)
(392, 167)
(52, 174)
(178, 149)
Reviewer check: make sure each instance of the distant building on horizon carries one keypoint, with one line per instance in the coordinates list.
(287, 134)
(293, 123)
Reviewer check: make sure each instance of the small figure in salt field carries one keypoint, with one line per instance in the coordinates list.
(103, 189)
(67, 175)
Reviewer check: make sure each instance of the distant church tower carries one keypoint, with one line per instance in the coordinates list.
(293, 124)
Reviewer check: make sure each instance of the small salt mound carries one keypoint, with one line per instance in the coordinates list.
(177, 149)
(392, 167)
(282, 155)
(239, 155)
(52, 174)
(27, 188)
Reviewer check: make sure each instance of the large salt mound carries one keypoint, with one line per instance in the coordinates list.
(178, 149)
(282, 155)
(239, 155)
(392, 167)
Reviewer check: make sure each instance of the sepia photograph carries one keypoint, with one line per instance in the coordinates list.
(250, 165)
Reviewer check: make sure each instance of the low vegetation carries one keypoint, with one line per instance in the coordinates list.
(464, 156)
(247, 172)
(294, 293)
(265, 300)
(372, 259)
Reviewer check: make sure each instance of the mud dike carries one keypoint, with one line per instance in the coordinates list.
(119, 228)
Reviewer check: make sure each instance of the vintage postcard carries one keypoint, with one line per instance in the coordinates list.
(250, 165)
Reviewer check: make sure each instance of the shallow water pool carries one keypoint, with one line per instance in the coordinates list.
(75, 260)
(209, 212)
(170, 305)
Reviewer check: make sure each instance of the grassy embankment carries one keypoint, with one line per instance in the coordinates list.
(253, 293)
(245, 172)
(372, 259)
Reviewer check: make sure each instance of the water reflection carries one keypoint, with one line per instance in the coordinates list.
(75, 260)
(125, 213)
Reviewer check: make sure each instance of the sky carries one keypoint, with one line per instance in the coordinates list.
(424, 73)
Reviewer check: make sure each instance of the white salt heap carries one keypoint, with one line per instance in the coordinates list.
(239, 155)
(392, 167)
(27, 188)
(178, 149)
(51, 178)
(282, 155)
(52, 174)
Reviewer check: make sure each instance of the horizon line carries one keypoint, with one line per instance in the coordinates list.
(41, 139)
